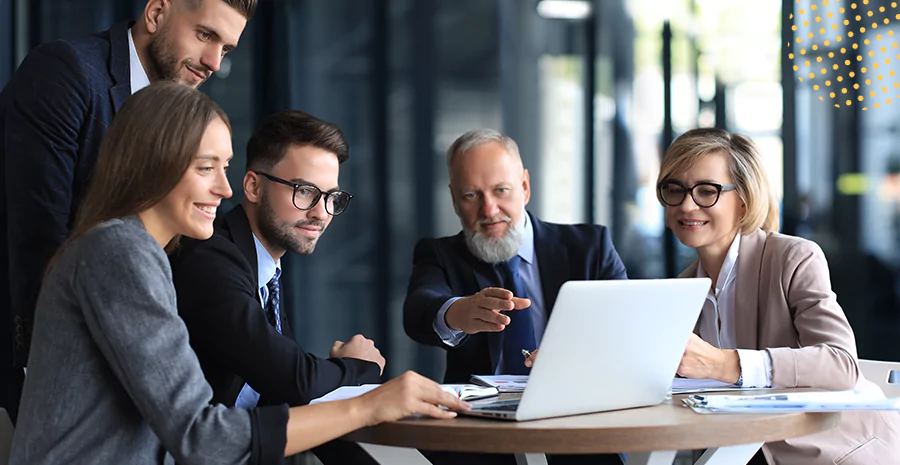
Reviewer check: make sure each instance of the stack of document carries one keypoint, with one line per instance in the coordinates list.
(504, 383)
(828, 401)
(689, 386)
(463, 391)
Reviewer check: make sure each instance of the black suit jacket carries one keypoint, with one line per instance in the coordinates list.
(444, 268)
(218, 298)
(53, 114)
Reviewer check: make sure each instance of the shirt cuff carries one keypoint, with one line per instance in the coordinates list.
(756, 368)
(449, 336)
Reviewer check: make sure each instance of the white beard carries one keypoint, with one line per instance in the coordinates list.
(496, 250)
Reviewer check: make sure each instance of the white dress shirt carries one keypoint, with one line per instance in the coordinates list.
(717, 321)
(139, 78)
(531, 278)
(266, 269)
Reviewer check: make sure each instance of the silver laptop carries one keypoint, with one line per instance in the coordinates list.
(608, 345)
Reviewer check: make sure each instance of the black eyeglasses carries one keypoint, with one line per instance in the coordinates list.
(705, 194)
(307, 196)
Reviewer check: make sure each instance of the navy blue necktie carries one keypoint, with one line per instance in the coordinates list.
(273, 305)
(519, 333)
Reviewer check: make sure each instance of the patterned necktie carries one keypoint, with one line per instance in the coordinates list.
(519, 333)
(273, 304)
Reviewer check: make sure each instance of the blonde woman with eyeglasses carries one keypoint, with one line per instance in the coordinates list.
(771, 317)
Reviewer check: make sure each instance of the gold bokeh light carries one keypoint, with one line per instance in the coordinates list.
(820, 29)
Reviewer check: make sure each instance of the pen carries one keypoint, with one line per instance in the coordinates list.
(526, 353)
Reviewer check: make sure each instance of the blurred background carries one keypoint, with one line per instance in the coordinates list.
(591, 90)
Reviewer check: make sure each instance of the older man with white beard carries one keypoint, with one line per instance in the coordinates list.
(486, 293)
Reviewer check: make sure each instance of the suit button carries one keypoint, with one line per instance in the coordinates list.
(20, 338)
(20, 346)
(19, 329)
(18, 320)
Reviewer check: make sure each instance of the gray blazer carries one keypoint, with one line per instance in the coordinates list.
(111, 376)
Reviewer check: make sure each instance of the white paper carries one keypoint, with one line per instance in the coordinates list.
(463, 391)
(687, 386)
(470, 391)
(505, 383)
(345, 392)
(828, 401)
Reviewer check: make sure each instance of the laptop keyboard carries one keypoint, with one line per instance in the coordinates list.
(502, 406)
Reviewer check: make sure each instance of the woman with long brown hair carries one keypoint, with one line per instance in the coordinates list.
(111, 376)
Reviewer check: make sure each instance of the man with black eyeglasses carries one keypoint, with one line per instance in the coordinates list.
(229, 287)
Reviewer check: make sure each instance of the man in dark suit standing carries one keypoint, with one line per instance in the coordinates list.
(486, 293)
(229, 287)
(54, 113)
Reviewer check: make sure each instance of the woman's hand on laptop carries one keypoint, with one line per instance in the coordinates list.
(405, 395)
(701, 360)
(481, 312)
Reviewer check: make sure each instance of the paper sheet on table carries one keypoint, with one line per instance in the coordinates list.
(345, 392)
(505, 383)
(463, 391)
(687, 386)
(827, 401)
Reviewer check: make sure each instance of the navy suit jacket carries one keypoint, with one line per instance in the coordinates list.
(218, 299)
(54, 113)
(444, 268)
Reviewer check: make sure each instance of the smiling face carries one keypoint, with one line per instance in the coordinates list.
(187, 45)
(279, 224)
(489, 188)
(714, 227)
(190, 208)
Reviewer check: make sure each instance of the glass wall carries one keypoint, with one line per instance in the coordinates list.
(585, 100)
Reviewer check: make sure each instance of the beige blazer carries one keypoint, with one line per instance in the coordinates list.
(784, 305)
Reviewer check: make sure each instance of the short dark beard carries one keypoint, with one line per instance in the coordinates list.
(281, 234)
(162, 62)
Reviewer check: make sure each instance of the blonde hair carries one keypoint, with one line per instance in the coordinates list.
(744, 166)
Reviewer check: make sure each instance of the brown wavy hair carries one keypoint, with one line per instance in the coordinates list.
(149, 146)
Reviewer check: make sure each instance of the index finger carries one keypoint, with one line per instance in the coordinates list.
(521, 303)
(437, 396)
(497, 292)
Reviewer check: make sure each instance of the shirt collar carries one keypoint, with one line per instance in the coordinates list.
(266, 265)
(725, 274)
(526, 248)
(139, 78)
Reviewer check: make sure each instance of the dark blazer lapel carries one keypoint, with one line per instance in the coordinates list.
(746, 298)
(553, 262)
(242, 236)
(119, 64)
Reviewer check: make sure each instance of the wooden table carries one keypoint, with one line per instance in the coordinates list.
(650, 435)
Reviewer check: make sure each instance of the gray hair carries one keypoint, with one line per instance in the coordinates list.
(476, 137)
